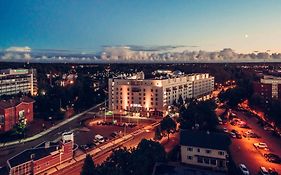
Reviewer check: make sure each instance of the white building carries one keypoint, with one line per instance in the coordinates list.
(151, 97)
(204, 149)
(13, 81)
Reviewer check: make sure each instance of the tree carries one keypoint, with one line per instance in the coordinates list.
(158, 135)
(89, 166)
(146, 155)
(136, 161)
(180, 101)
(199, 113)
(118, 163)
(167, 124)
(274, 112)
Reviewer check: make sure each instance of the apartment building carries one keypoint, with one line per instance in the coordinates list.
(208, 150)
(13, 81)
(269, 87)
(152, 97)
(39, 159)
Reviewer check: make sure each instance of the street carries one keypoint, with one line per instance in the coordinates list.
(243, 151)
(10, 151)
(168, 145)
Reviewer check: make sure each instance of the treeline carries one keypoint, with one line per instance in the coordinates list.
(135, 161)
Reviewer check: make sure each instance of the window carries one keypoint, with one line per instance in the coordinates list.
(198, 150)
(189, 149)
(200, 160)
(206, 160)
(189, 157)
(221, 153)
(208, 151)
(213, 161)
(2, 119)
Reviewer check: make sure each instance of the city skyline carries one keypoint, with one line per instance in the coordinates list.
(88, 26)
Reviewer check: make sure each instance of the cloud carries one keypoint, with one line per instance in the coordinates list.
(18, 49)
(134, 53)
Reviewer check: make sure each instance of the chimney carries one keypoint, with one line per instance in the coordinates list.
(47, 144)
(32, 156)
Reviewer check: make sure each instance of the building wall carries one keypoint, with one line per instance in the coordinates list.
(11, 115)
(190, 155)
(23, 169)
(147, 95)
(58, 157)
(9, 119)
(45, 163)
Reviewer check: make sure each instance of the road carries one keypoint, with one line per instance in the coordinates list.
(10, 151)
(168, 145)
(243, 151)
(76, 169)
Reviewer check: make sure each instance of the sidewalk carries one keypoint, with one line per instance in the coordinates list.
(48, 130)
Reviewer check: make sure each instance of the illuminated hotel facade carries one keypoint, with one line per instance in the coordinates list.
(152, 97)
(13, 81)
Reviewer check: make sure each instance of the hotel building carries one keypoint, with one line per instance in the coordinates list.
(152, 97)
(13, 81)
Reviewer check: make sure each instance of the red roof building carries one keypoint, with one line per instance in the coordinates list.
(14, 110)
(37, 160)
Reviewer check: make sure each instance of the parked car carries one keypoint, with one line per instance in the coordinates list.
(261, 145)
(272, 171)
(114, 134)
(238, 136)
(225, 130)
(84, 147)
(232, 134)
(263, 171)
(272, 158)
(98, 139)
(244, 170)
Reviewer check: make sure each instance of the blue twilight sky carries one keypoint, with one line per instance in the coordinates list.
(244, 25)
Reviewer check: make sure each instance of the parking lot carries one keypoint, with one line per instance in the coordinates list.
(108, 128)
(242, 148)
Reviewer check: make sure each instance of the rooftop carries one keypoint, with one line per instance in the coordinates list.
(14, 102)
(219, 141)
(156, 75)
(36, 153)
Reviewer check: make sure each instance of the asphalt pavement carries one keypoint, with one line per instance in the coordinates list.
(243, 151)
